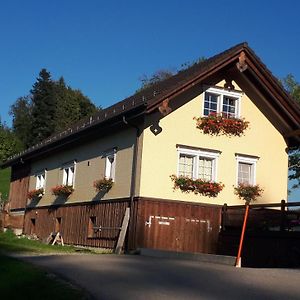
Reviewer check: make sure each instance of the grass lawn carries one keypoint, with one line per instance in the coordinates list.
(4, 182)
(11, 243)
(19, 280)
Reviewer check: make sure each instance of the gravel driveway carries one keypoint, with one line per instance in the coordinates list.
(138, 277)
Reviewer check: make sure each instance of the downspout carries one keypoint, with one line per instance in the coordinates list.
(133, 170)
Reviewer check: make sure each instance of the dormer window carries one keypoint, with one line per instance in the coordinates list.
(221, 101)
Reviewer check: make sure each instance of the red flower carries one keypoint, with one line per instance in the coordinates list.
(197, 186)
(219, 124)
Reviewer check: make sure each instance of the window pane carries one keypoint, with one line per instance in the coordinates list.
(205, 168)
(110, 166)
(229, 107)
(68, 175)
(244, 173)
(40, 181)
(210, 103)
(186, 165)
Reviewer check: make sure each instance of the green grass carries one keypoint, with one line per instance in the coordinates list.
(20, 280)
(4, 182)
(11, 243)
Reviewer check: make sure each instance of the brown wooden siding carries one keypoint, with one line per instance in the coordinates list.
(19, 186)
(74, 222)
(174, 225)
(177, 226)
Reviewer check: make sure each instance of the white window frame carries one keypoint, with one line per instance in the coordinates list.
(197, 153)
(221, 93)
(110, 168)
(64, 168)
(37, 183)
(247, 160)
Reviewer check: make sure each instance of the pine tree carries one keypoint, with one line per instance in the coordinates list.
(51, 107)
(43, 108)
(21, 112)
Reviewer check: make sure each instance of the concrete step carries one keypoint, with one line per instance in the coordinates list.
(202, 257)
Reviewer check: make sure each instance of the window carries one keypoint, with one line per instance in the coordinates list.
(92, 224)
(57, 224)
(69, 174)
(110, 165)
(32, 226)
(221, 101)
(40, 180)
(197, 163)
(246, 169)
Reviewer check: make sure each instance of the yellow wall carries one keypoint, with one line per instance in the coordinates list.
(89, 167)
(261, 139)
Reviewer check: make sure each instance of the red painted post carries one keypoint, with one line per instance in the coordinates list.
(238, 258)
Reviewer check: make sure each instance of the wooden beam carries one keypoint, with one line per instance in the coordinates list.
(293, 133)
(122, 235)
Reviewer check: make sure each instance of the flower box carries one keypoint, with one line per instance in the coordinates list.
(103, 185)
(62, 190)
(219, 124)
(36, 193)
(197, 186)
(248, 192)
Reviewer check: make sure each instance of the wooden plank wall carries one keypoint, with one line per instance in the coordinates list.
(177, 226)
(75, 222)
(19, 186)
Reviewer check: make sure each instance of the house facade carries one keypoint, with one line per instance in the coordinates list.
(141, 142)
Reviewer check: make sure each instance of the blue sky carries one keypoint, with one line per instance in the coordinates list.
(104, 47)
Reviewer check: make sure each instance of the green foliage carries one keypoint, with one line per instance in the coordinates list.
(163, 74)
(43, 108)
(20, 280)
(11, 243)
(9, 143)
(156, 77)
(4, 183)
(51, 107)
(292, 86)
(294, 167)
(21, 112)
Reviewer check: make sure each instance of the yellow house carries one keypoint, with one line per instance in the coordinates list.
(132, 150)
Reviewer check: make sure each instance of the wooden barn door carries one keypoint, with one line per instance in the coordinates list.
(178, 226)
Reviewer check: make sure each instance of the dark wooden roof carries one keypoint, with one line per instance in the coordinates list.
(149, 99)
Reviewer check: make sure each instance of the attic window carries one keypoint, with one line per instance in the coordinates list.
(221, 101)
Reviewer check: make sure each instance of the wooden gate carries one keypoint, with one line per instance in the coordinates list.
(177, 226)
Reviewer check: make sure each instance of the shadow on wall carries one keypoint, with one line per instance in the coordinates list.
(99, 195)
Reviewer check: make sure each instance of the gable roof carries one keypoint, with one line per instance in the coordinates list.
(151, 98)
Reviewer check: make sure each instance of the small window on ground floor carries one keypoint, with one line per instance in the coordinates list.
(58, 224)
(91, 225)
(32, 226)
